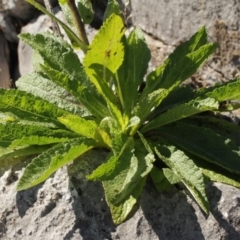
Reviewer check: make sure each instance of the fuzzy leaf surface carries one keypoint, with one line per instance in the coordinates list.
(105, 56)
(174, 71)
(86, 11)
(40, 86)
(120, 212)
(83, 92)
(185, 169)
(131, 74)
(155, 78)
(132, 167)
(222, 92)
(182, 111)
(50, 161)
(204, 143)
(163, 179)
(75, 41)
(27, 106)
(64, 68)
(112, 7)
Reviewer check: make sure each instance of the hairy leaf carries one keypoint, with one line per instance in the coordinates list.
(147, 105)
(75, 41)
(131, 74)
(131, 168)
(105, 55)
(27, 106)
(120, 212)
(222, 92)
(112, 7)
(86, 11)
(36, 140)
(50, 161)
(205, 144)
(163, 179)
(182, 111)
(185, 169)
(84, 93)
(175, 70)
(38, 85)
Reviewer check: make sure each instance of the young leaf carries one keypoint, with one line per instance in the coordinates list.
(121, 211)
(105, 54)
(50, 161)
(106, 48)
(27, 106)
(133, 165)
(163, 179)
(222, 92)
(36, 140)
(75, 41)
(86, 11)
(174, 70)
(205, 144)
(112, 8)
(131, 74)
(185, 169)
(182, 111)
(38, 85)
(147, 105)
(79, 125)
(84, 93)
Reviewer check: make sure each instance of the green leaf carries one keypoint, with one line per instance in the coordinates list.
(38, 85)
(112, 8)
(79, 125)
(182, 111)
(147, 105)
(163, 179)
(120, 212)
(106, 48)
(27, 106)
(131, 74)
(205, 144)
(75, 41)
(36, 140)
(222, 92)
(182, 63)
(84, 93)
(50, 161)
(86, 11)
(185, 169)
(12, 156)
(105, 55)
(120, 144)
(64, 68)
(132, 166)
(216, 173)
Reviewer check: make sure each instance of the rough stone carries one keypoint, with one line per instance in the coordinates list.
(41, 24)
(20, 8)
(175, 21)
(68, 207)
(4, 63)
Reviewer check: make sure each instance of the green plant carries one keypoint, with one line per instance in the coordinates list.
(153, 128)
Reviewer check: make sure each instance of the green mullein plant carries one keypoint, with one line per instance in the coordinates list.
(155, 128)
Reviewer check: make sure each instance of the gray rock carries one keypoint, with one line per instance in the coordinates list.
(20, 8)
(175, 21)
(4, 63)
(39, 25)
(68, 207)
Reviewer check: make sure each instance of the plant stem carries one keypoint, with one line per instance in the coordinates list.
(78, 22)
(55, 26)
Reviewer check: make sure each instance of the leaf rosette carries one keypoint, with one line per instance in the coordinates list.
(150, 124)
